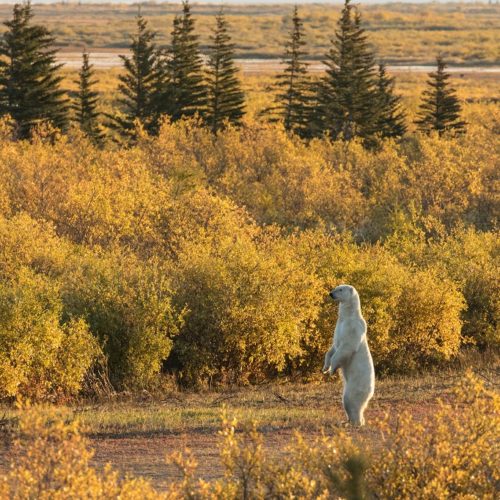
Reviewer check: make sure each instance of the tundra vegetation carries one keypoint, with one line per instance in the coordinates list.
(210, 257)
(196, 239)
(207, 256)
(54, 460)
(402, 33)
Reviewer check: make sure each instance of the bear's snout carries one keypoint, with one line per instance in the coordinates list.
(332, 294)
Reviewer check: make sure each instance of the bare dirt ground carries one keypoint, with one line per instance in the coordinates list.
(135, 434)
(144, 454)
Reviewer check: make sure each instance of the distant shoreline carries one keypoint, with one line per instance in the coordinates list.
(104, 59)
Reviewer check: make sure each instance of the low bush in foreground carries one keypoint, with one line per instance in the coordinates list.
(451, 453)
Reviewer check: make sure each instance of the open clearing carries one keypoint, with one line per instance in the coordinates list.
(136, 434)
(401, 33)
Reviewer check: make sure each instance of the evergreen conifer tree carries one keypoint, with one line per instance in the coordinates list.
(440, 109)
(390, 116)
(85, 106)
(139, 84)
(225, 99)
(185, 93)
(294, 99)
(29, 81)
(347, 91)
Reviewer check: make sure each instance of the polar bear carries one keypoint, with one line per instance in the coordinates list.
(351, 354)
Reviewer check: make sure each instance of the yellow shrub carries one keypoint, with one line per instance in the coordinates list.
(281, 180)
(427, 325)
(250, 304)
(53, 462)
(40, 355)
(128, 306)
(470, 259)
(413, 316)
(250, 299)
(123, 234)
(34, 244)
(452, 453)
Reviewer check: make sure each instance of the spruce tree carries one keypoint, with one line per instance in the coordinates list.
(390, 116)
(85, 106)
(139, 84)
(293, 98)
(440, 109)
(185, 93)
(225, 99)
(29, 80)
(346, 93)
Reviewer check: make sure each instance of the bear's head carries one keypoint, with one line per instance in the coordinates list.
(343, 293)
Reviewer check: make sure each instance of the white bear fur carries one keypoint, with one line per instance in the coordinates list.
(351, 354)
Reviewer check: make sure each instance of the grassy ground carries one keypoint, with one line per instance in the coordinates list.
(401, 33)
(289, 406)
(136, 433)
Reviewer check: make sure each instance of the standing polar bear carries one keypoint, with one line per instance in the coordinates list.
(351, 354)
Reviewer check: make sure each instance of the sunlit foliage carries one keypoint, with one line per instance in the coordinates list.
(211, 257)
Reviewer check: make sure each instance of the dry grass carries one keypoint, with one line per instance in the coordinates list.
(471, 87)
(463, 33)
(136, 432)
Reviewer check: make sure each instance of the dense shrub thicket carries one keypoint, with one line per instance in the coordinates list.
(212, 257)
(451, 453)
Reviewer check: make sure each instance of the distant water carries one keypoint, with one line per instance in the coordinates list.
(103, 60)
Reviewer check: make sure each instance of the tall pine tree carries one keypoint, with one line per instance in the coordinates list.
(347, 91)
(294, 97)
(225, 99)
(185, 92)
(139, 84)
(85, 105)
(29, 80)
(440, 109)
(390, 115)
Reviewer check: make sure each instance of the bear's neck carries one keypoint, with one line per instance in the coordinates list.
(351, 308)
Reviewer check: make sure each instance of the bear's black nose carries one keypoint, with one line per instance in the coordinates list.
(331, 295)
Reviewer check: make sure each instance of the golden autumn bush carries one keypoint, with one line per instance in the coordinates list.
(450, 453)
(53, 462)
(40, 354)
(470, 259)
(414, 315)
(128, 306)
(212, 256)
(250, 305)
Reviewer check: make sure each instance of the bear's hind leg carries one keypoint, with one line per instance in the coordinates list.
(354, 410)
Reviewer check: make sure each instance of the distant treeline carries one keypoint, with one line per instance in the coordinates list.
(354, 98)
